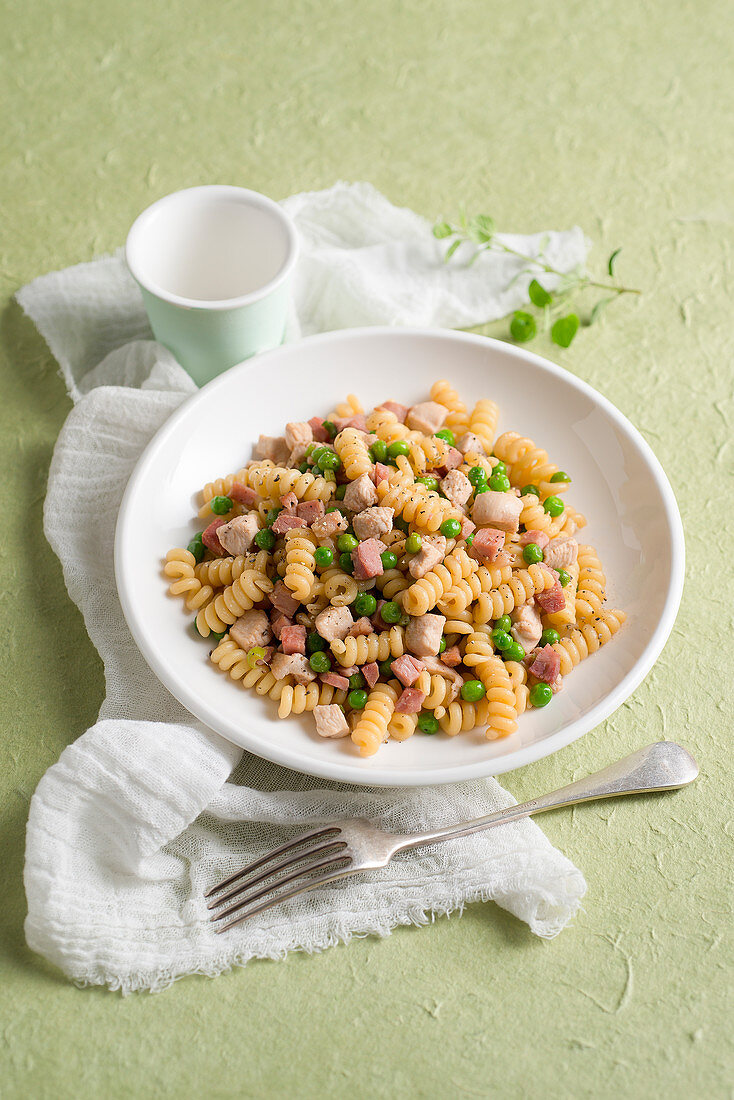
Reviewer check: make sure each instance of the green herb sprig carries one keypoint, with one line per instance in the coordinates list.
(553, 309)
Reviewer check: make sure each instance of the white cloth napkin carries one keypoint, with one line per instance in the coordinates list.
(143, 811)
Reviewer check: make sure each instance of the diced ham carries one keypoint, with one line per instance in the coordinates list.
(380, 472)
(407, 669)
(487, 544)
(373, 522)
(538, 537)
(289, 502)
(401, 411)
(298, 431)
(287, 522)
(292, 664)
(432, 551)
(279, 621)
(320, 433)
(349, 671)
(467, 527)
(367, 560)
(410, 701)
(423, 634)
(376, 618)
(360, 494)
(251, 629)
(553, 599)
(526, 625)
(547, 664)
(209, 536)
(470, 444)
(334, 623)
(359, 422)
(559, 553)
(267, 656)
(284, 600)
(333, 679)
(330, 720)
(361, 628)
(310, 510)
(451, 656)
(452, 458)
(371, 673)
(238, 535)
(293, 639)
(427, 417)
(498, 509)
(243, 494)
(273, 448)
(327, 526)
(457, 487)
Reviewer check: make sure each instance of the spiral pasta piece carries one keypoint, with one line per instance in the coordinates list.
(427, 453)
(483, 422)
(370, 647)
(222, 571)
(386, 426)
(416, 504)
(275, 481)
(500, 699)
(443, 393)
(521, 587)
(222, 486)
(238, 597)
(461, 716)
(179, 568)
(347, 409)
(567, 615)
(591, 585)
(578, 642)
(518, 678)
(351, 447)
(402, 726)
(392, 583)
(299, 698)
(438, 691)
(300, 564)
(425, 593)
(528, 464)
(371, 728)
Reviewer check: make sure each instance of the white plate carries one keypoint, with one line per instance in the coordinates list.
(617, 483)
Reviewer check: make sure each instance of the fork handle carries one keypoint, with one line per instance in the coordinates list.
(662, 766)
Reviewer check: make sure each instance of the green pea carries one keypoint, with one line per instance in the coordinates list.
(499, 468)
(310, 449)
(399, 447)
(333, 508)
(481, 488)
(386, 668)
(388, 559)
(328, 461)
(315, 643)
(346, 563)
(549, 636)
(473, 691)
(501, 639)
(272, 515)
(323, 556)
(217, 637)
(220, 505)
(357, 699)
(558, 476)
(530, 489)
(401, 524)
(427, 722)
(498, 483)
(320, 661)
(319, 451)
(442, 646)
(196, 547)
(532, 553)
(540, 695)
(391, 612)
(429, 481)
(514, 653)
(470, 538)
(564, 577)
(330, 427)
(448, 436)
(356, 680)
(265, 539)
(404, 619)
(477, 475)
(503, 623)
(347, 542)
(553, 506)
(365, 604)
(451, 528)
(303, 467)
(413, 543)
(378, 450)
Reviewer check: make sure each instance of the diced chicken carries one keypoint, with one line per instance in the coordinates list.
(547, 664)
(401, 411)
(297, 455)
(330, 721)
(243, 494)
(284, 600)
(427, 417)
(553, 599)
(334, 623)
(341, 422)
(486, 544)
(210, 536)
(292, 664)
(457, 487)
(371, 673)
(470, 444)
(327, 526)
(467, 527)
(437, 665)
(432, 551)
(252, 628)
(380, 472)
(298, 432)
(373, 522)
(278, 621)
(333, 679)
(272, 447)
(451, 656)
(289, 501)
(320, 433)
(538, 537)
(410, 701)
(526, 625)
(423, 634)
(310, 510)
(452, 459)
(497, 509)
(287, 522)
(293, 639)
(407, 669)
(360, 494)
(361, 628)
(367, 560)
(559, 553)
(238, 535)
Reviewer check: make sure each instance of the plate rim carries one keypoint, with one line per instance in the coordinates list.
(377, 776)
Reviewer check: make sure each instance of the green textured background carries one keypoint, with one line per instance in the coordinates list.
(614, 115)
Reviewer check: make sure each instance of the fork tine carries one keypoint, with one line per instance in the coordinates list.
(321, 831)
(310, 885)
(306, 853)
(267, 889)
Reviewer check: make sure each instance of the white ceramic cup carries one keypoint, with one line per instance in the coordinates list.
(214, 265)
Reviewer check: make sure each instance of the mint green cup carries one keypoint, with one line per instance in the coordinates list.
(214, 265)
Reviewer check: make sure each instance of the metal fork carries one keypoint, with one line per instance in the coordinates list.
(333, 851)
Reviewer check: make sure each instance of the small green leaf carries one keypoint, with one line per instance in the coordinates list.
(522, 326)
(539, 296)
(481, 228)
(612, 258)
(441, 230)
(450, 251)
(600, 305)
(564, 330)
